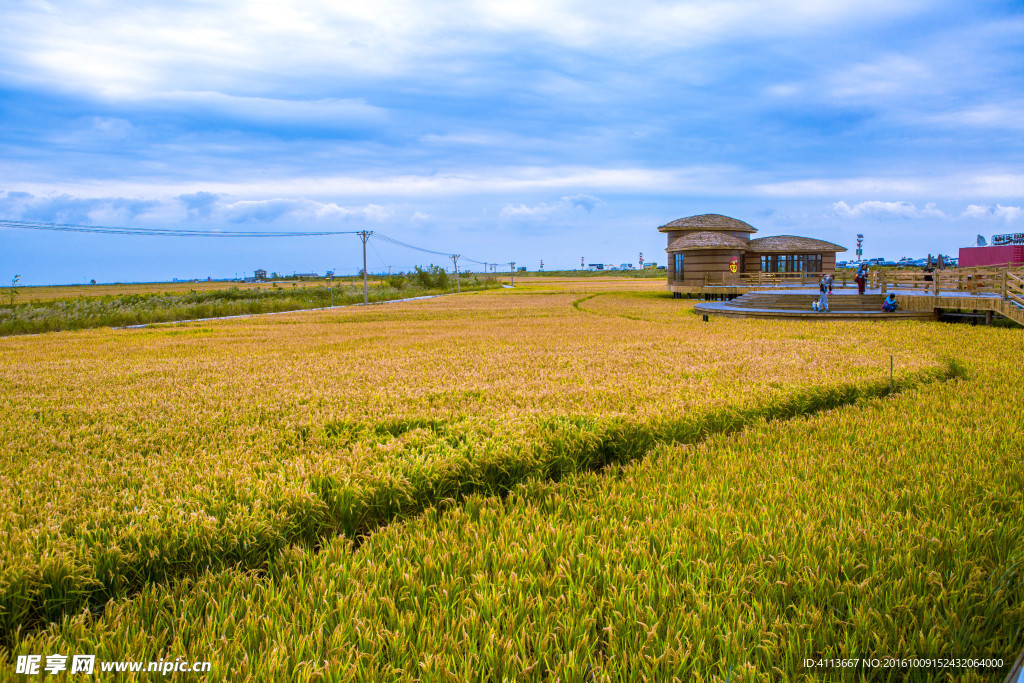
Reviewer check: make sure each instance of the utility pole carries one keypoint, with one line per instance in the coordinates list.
(365, 235)
(512, 270)
(458, 286)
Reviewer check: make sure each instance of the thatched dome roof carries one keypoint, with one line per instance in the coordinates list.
(706, 240)
(708, 221)
(790, 243)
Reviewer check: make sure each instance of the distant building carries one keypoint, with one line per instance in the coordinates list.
(260, 274)
(1005, 250)
(595, 266)
(719, 246)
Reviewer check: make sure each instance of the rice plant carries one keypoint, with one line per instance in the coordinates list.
(508, 485)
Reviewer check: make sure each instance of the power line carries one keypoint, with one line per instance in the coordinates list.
(449, 254)
(166, 232)
(392, 240)
(183, 232)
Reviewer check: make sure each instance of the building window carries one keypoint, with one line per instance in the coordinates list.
(679, 266)
(791, 263)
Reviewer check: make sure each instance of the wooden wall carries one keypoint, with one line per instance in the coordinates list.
(714, 261)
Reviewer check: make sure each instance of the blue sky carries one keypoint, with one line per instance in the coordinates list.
(527, 130)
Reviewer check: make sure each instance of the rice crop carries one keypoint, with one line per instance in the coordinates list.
(240, 464)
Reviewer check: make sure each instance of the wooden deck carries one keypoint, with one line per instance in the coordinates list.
(796, 304)
(985, 292)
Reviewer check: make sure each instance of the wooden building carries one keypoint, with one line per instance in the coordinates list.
(716, 249)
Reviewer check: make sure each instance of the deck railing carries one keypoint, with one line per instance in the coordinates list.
(973, 281)
(771, 279)
(1013, 287)
(1005, 282)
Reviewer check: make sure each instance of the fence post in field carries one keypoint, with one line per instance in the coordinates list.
(1005, 271)
(882, 279)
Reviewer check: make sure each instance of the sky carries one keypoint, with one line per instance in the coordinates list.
(526, 131)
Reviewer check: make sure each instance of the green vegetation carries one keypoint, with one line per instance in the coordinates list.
(12, 291)
(647, 273)
(138, 309)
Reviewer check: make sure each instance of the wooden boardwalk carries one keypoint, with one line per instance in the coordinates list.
(796, 304)
(983, 292)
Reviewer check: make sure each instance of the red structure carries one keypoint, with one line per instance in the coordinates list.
(1008, 254)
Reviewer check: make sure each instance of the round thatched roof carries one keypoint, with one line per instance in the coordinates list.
(706, 239)
(790, 243)
(708, 221)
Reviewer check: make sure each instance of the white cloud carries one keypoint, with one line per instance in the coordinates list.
(886, 209)
(783, 90)
(964, 184)
(712, 180)
(583, 202)
(125, 50)
(891, 75)
(207, 206)
(904, 209)
(329, 111)
(68, 208)
(1008, 116)
(267, 210)
(1009, 214)
(812, 187)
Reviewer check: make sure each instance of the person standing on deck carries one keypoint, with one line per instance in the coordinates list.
(861, 278)
(825, 285)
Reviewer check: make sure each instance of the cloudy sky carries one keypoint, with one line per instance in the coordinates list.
(501, 130)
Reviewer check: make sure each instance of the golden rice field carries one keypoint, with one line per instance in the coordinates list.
(572, 480)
